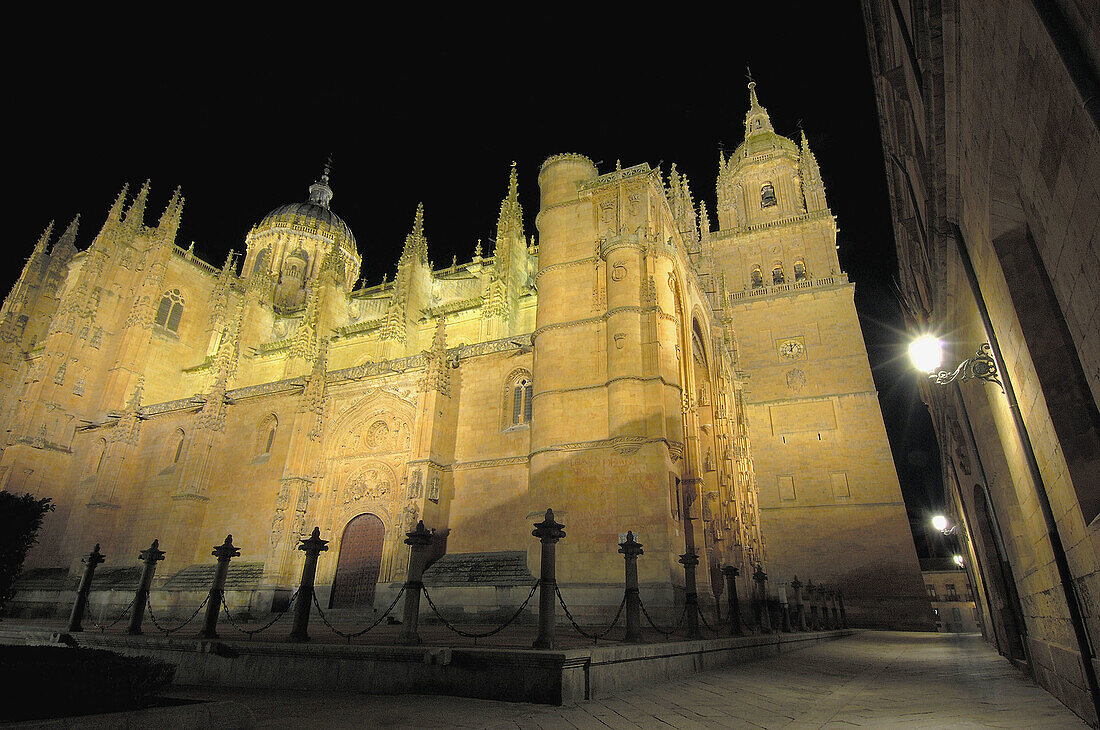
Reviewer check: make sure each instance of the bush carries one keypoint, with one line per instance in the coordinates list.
(53, 681)
(20, 519)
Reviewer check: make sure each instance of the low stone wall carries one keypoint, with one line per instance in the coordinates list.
(529, 675)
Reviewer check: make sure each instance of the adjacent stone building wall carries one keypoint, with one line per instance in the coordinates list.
(992, 136)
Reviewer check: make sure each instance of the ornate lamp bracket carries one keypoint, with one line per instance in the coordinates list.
(979, 367)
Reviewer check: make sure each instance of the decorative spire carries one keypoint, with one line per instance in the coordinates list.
(757, 120)
(319, 192)
(114, 215)
(510, 220)
(813, 188)
(437, 373)
(44, 239)
(416, 243)
(66, 245)
(134, 404)
(313, 395)
(135, 215)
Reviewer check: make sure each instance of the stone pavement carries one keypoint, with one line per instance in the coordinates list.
(871, 680)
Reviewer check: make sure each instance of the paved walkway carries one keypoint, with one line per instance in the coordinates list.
(870, 680)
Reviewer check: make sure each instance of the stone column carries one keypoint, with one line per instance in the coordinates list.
(762, 616)
(800, 605)
(93, 559)
(303, 604)
(224, 553)
(418, 541)
(691, 597)
(631, 549)
(731, 573)
(149, 558)
(549, 532)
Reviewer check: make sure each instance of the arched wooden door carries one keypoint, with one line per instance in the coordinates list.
(359, 563)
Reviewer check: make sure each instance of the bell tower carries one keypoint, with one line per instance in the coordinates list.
(830, 502)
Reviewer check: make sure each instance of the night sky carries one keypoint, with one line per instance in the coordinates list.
(441, 121)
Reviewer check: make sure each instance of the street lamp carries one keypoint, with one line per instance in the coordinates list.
(958, 560)
(926, 353)
(942, 524)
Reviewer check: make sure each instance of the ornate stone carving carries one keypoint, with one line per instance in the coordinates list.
(372, 482)
(796, 380)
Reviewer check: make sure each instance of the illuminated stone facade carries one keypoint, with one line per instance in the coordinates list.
(991, 128)
(154, 395)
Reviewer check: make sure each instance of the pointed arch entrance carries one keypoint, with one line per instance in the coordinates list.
(359, 563)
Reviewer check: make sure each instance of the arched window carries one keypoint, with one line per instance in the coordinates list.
(777, 274)
(767, 195)
(517, 398)
(177, 451)
(265, 435)
(261, 260)
(799, 270)
(101, 448)
(757, 277)
(170, 311)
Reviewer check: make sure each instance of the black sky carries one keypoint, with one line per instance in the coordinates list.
(440, 121)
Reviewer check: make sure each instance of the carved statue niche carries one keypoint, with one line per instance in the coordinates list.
(416, 485)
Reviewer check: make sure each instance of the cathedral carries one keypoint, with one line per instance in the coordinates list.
(633, 367)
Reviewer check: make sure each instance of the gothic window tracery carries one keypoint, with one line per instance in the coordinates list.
(767, 195)
(170, 311)
(518, 393)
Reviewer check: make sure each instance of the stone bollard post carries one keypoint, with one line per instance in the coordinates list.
(731, 572)
(835, 610)
(784, 609)
(825, 612)
(303, 604)
(93, 559)
(418, 541)
(149, 558)
(843, 616)
(763, 617)
(691, 595)
(800, 606)
(549, 532)
(815, 621)
(224, 553)
(631, 549)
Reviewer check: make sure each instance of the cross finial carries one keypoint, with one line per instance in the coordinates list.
(327, 169)
(748, 75)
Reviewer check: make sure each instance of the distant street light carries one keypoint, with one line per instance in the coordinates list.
(958, 560)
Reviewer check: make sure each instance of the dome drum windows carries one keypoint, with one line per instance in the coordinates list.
(778, 277)
(800, 270)
(757, 277)
(170, 311)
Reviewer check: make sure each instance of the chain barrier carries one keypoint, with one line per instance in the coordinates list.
(595, 637)
(104, 627)
(149, 605)
(658, 629)
(473, 635)
(703, 618)
(348, 637)
(252, 632)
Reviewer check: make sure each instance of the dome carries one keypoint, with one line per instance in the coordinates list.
(319, 215)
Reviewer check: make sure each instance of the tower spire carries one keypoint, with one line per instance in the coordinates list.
(135, 215)
(757, 120)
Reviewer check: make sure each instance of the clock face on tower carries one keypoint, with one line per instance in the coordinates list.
(791, 349)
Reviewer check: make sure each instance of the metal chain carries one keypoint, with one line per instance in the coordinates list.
(355, 634)
(657, 628)
(104, 627)
(595, 637)
(473, 635)
(699, 608)
(149, 605)
(265, 627)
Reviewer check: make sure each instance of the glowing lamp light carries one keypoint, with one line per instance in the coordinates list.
(926, 352)
(939, 522)
(958, 560)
